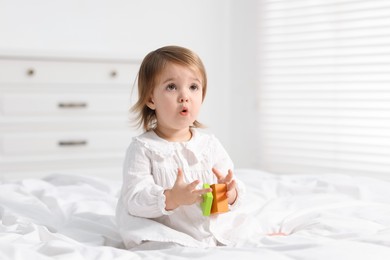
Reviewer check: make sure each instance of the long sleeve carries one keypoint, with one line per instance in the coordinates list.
(222, 160)
(223, 163)
(141, 196)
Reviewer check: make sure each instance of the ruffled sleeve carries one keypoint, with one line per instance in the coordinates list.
(223, 163)
(222, 160)
(240, 194)
(141, 196)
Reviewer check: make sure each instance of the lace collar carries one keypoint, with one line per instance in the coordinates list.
(197, 145)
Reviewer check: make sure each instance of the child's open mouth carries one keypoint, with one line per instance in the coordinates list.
(184, 111)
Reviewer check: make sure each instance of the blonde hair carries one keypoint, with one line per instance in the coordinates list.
(151, 68)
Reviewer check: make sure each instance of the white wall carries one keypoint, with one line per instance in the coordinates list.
(243, 83)
(220, 31)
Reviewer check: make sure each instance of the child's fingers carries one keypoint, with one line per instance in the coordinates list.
(203, 191)
(200, 192)
(179, 176)
(231, 188)
(199, 199)
(229, 176)
(217, 173)
(231, 185)
(193, 185)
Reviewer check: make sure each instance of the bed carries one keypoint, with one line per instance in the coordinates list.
(64, 216)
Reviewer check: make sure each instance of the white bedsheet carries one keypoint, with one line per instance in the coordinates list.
(325, 217)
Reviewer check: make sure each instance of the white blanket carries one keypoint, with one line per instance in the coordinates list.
(324, 217)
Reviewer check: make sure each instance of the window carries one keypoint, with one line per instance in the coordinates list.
(324, 86)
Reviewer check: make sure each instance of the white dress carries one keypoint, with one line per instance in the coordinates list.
(150, 167)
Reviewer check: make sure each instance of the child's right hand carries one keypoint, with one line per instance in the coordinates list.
(183, 193)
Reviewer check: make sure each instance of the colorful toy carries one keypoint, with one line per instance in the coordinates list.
(215, 201)
(220, 201)
(207, 201)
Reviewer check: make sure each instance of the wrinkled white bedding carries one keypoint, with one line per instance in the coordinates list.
(325, 217)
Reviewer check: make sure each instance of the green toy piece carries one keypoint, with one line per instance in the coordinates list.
(207, 201)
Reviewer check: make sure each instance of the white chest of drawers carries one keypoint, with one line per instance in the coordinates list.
(64, 115)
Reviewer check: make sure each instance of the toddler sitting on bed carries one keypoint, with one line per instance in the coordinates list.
(165, 167)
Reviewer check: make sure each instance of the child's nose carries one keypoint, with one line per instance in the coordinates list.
(183, 98)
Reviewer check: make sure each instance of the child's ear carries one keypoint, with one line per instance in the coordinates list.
(151, 104)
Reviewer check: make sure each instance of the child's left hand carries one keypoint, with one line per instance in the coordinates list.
(231, 193)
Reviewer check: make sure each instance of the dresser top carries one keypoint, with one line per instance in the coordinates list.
(68, 56)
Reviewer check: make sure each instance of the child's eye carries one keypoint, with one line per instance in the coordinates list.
(194, 87)
(171, 87)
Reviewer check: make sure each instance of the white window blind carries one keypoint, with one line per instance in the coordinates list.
(324, 86)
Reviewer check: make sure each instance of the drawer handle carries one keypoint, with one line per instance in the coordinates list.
(114, 74)
(72, 143)
(72, 105)
(30, 72)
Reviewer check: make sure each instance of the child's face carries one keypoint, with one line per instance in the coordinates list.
(176, 98)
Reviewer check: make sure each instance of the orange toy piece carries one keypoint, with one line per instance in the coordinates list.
(220, 202)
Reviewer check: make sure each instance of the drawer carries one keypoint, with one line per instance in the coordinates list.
(51, 143)
(64, 104)
(68, 71)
